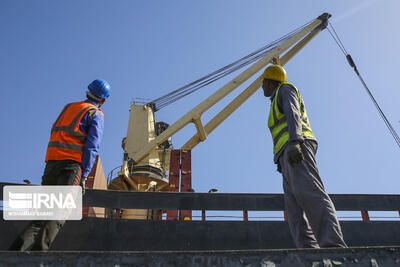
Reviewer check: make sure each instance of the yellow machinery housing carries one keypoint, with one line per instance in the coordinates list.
(149, 173)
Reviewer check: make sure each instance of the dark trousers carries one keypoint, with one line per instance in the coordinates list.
(39, 235)
(311, 214)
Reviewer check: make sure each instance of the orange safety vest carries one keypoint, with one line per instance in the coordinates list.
(66, 139)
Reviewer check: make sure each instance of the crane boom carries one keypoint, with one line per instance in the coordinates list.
(194, 116)
(249, 91)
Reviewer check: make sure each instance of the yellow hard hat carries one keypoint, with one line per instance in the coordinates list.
(275, 72)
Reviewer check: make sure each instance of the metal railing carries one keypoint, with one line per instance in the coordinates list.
(112, 200)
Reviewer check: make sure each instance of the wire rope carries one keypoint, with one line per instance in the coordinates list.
(192, 87)
(392, 131)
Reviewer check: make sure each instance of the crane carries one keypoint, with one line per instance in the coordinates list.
(147, 143)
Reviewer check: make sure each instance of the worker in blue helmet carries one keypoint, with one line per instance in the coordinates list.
(71, 152)
(99, 90)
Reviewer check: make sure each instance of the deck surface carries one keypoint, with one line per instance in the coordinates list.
(357, 256)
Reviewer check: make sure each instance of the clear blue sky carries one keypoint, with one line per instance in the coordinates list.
(51, 50)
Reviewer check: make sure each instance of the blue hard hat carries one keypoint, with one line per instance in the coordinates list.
(100, 88)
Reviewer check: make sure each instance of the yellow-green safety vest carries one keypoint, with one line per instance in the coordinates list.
(277, 121)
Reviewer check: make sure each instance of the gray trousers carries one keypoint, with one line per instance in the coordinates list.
(311, 214)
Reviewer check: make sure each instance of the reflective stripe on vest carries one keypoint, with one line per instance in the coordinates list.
(63, 145)
(66, 139)
(277, 121)
(70, 129)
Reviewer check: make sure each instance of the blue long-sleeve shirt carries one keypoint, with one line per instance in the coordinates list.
(92, 124)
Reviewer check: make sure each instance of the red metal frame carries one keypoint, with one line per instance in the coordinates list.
(365, 215)
(186, 180)
(285, 215)
(174, 167)
(180, 167)
(245, 215)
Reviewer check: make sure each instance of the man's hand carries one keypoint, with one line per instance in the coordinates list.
(82, 184)
(294, 153)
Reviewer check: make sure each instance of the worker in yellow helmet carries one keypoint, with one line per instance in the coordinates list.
(311, 214)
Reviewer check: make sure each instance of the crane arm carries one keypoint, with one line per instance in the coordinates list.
(194, 116)
(249, 91)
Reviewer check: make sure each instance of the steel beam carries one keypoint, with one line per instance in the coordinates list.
(97, 234)
(225, 201)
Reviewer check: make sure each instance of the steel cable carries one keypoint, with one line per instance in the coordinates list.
(192, 87)
(392, 131)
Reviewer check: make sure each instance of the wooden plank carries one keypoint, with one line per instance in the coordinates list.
(95, 180)
(89, 185)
